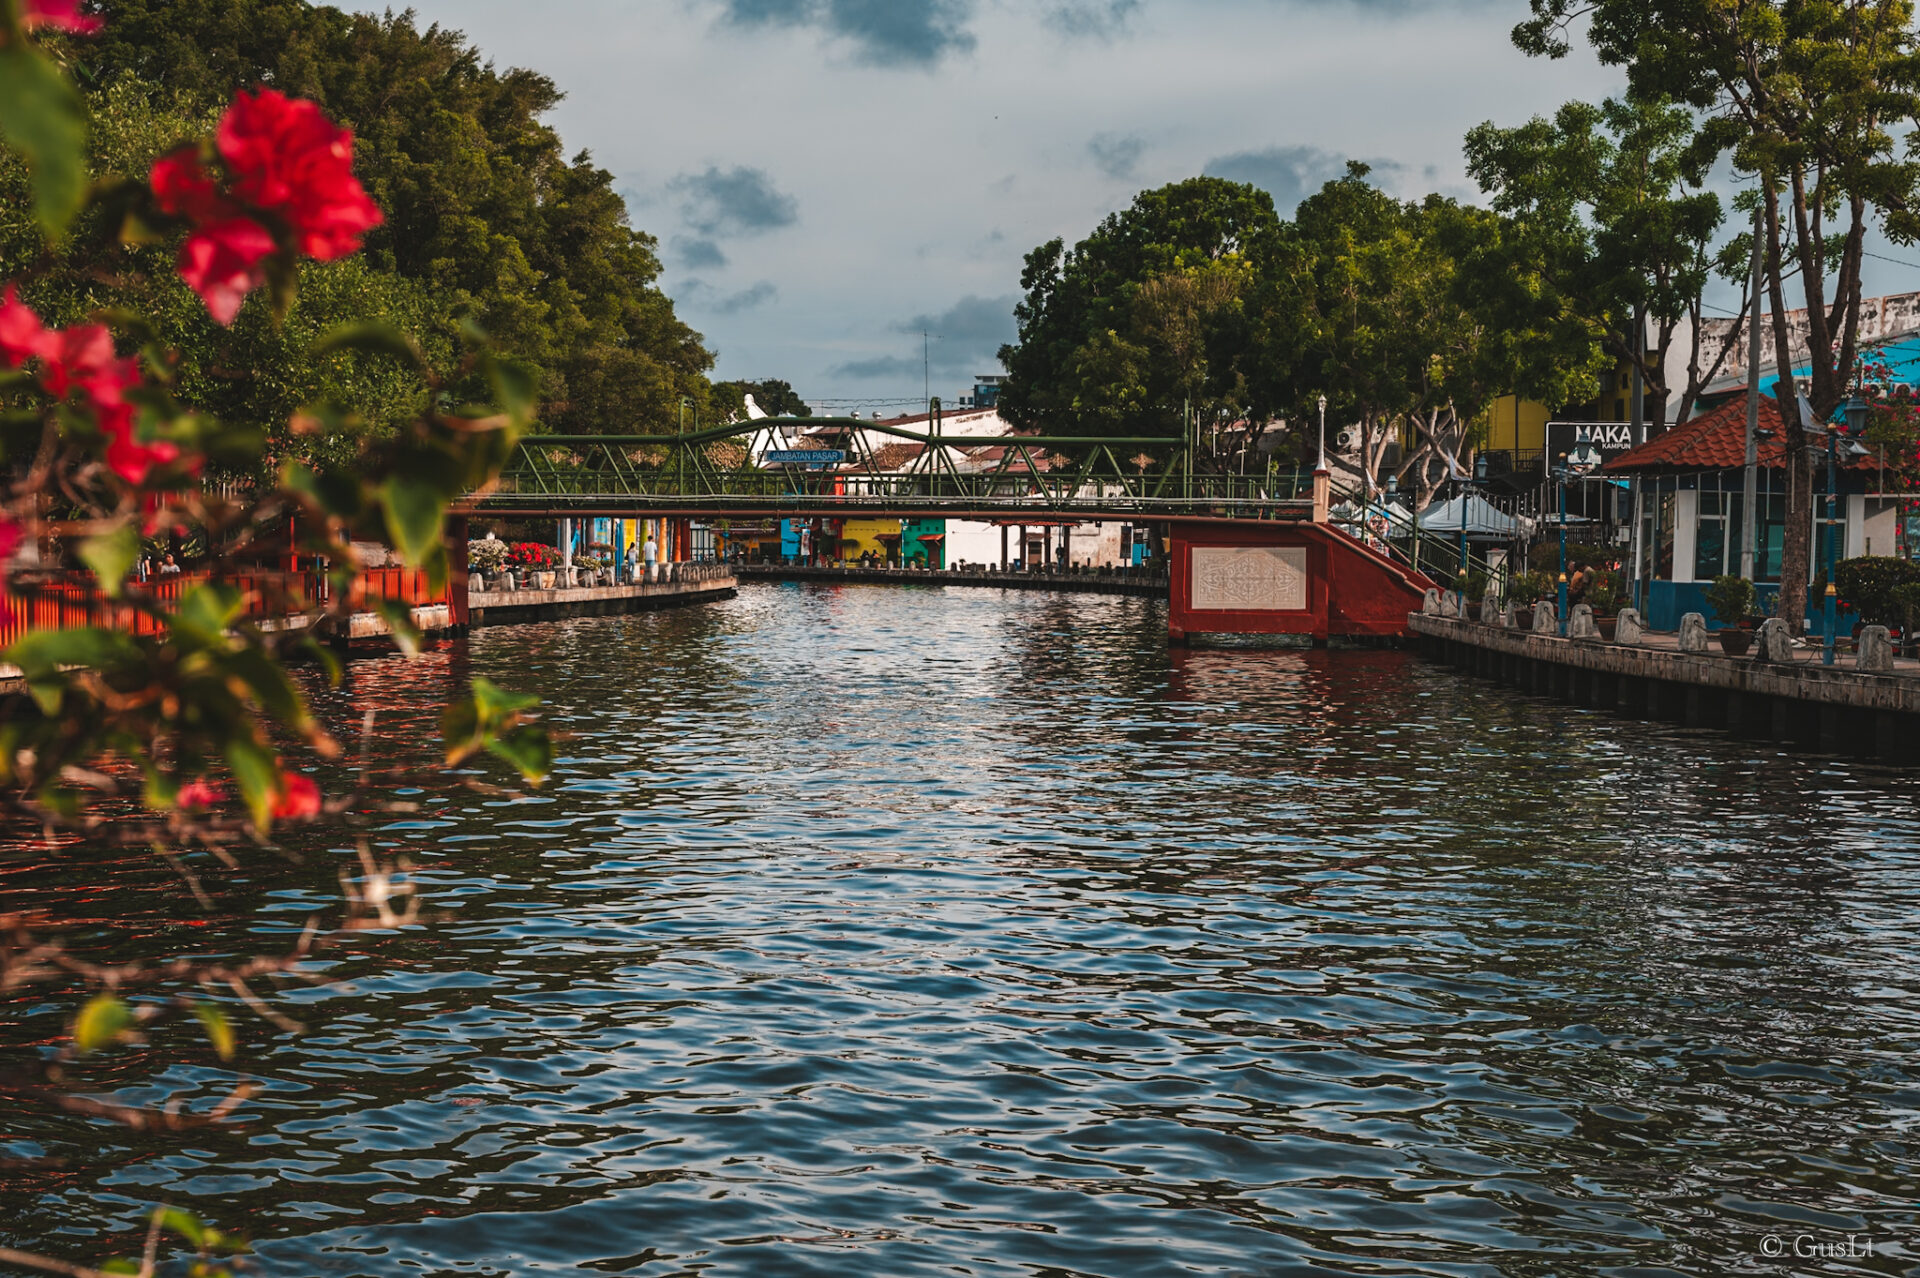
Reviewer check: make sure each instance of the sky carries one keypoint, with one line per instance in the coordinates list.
(831, 179)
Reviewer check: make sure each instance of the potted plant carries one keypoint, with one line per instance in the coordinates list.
(1529, 588)
(1604, 597)
(1731, 598)
(1871, 585)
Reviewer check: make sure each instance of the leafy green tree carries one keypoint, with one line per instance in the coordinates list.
(485, 212)
(775, 398)
(1607, 201)
(1143, 320)
(1819, 100)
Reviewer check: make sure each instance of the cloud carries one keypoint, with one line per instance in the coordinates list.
(917, 33)
(965, 338)
(1288, 173)
(1116, 155)
(739, 201)
(698, 254)
(1098, 19)
(746, 299)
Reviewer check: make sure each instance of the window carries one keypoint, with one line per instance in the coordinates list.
(1716, 547)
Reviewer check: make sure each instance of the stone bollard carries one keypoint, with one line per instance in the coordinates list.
(1493, 614)
(1693, 633)
(1430, 604)
(1876, 651)
(1546, 618)
(1511, 615)
(1449, 604)
(1774, 643)
(1580, 623)
(1629, 629)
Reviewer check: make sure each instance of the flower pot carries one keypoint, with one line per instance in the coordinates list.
(1606, 623)
(544, 580)
(1735, 642)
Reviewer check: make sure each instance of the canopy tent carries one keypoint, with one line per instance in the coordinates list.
(1399, 518)
(1484, 522)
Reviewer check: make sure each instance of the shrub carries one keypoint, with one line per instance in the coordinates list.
(1545, 554)
(1530, 587)
(487, 556)
(1731, 598)
(1606, 592)
(1868, 584)
(1906, 602)
(532, 554)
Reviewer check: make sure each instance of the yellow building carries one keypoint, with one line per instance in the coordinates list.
(877, 537)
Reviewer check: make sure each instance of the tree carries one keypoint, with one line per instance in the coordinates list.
(1141, 321)
(1608, 201)
(1410, 318)
(774, 397)
(1814, 98)
(484, 210)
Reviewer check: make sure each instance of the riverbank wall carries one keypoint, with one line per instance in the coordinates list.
(693, 584)
(1094, 581)
(1799, 703)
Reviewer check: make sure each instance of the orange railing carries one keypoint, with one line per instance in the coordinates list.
(77, 602)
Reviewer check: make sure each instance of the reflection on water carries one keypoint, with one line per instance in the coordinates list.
(897, 932)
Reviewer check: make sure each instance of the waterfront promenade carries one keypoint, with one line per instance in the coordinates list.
(1091, 581)
(1796, 700)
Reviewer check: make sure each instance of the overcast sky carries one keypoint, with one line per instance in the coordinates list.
(829, 178)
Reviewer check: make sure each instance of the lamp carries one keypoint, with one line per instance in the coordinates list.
(1480, 468)
(1856, 409)
(1322, 465)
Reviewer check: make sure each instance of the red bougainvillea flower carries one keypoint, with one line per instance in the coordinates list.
(62, 15)
(283, 155)
(299, 798)
(183, 187)
(9, 542)
(21, 334)
(199, 794)
(222, 263)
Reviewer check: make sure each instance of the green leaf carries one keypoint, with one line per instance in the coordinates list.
(514, 388)
(206, 613)
(372, 337)
(414, 509)
(103, 1021)
(121, 1266)
(43, 118)
(258, 774)
(219, 1029)
(496, 702)
(110, 556)
(528, 749)
(183, 1223)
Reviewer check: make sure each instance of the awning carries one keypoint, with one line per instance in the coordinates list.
(932, 537)
(1479, 516)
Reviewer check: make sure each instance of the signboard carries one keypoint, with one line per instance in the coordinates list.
(806, 456)
(1587, 445)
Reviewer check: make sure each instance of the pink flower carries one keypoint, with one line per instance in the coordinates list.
(286, 157)
(200, 793)
(222, 263)
(299, 798)
(61, 15)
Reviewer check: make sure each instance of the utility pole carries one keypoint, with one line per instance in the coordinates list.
(1749, 496)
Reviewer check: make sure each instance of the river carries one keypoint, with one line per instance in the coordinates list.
(901, 931)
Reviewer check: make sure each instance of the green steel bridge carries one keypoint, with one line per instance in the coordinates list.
(711, 473)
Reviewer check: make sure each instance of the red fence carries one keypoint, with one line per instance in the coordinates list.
(77, 602)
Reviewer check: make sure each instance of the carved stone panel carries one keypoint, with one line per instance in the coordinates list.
(1250, 578)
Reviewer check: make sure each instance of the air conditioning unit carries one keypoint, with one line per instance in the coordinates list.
(1348, 439)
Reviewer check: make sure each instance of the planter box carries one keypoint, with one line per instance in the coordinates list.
(1735, 642)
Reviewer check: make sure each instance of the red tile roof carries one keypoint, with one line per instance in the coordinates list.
(1715, 441)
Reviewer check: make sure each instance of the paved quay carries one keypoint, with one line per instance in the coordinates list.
(1796, 700)
(1096, 581)
(693, 584)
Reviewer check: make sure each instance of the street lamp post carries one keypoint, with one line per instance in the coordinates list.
(1856, 409)
(1322, 464)
(1560, 473)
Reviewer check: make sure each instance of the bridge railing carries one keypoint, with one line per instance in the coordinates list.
(1150, 477)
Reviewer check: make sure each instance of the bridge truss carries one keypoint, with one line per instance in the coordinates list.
(711, 472)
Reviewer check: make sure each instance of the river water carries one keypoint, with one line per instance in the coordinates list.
(915, 931)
